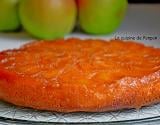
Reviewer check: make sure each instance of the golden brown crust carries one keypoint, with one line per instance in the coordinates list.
(75, 75)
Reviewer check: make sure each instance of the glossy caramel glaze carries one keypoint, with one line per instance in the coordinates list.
(80, 75)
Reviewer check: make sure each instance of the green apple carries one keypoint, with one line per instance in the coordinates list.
(9, 19)
(48, 19)
(101, 16)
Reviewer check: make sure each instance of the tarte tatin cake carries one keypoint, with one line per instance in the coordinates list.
(80, 75)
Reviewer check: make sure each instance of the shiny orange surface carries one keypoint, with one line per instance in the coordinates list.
(80, 75)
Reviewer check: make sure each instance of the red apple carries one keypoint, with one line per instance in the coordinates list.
(48, 19)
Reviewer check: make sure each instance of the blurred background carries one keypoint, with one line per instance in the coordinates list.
(142, 19)
(144, 1)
